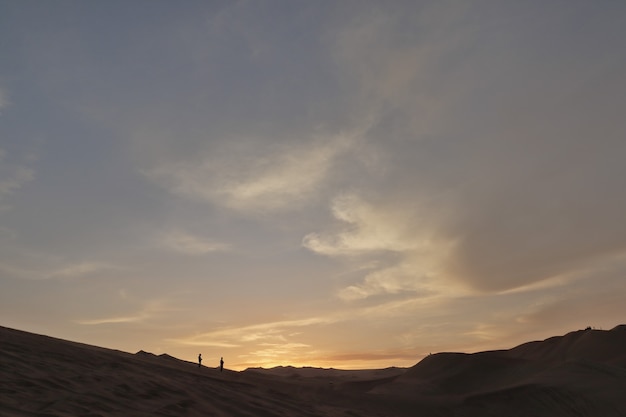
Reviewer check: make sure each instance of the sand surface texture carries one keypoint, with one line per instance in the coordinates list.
(582, 373)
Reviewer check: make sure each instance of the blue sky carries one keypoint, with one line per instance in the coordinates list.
(347, 184)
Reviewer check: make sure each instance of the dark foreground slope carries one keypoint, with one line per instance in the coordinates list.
(580, 374)
(45, 377)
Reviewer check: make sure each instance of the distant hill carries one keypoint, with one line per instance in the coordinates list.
(582, 373)
(339, 374)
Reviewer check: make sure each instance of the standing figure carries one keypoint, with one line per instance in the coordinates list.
(199, 360)
(221, 364)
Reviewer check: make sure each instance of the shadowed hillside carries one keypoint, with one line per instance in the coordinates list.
(582, 373)
(45, 377)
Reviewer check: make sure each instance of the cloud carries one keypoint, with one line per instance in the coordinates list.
(4, 100)
(518, 173)
(402, 240)
(366, 228)
(395, 57)
(150, 310)
(248, 178)
(186, 243)
(593, 297)
(79, 270)
(278, 331)
(46, 268)
(404, 277)
(13, 176)
(19, 177)
(114, 320)
(15, 179)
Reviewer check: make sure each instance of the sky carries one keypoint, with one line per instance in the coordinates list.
(350, 184)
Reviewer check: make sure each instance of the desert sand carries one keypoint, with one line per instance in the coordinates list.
(582, 373)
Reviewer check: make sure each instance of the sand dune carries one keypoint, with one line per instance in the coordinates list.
(582, 373)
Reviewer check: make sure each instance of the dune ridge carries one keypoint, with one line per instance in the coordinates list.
(582, 373)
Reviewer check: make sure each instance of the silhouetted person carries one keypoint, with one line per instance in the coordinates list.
(221, 364)
(199, 360)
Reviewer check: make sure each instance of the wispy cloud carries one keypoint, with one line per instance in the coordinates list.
(79, 270)
(263, 332)
(4, 100)
(50, 269)
(12, 175)
(372, 231)
(15, 181)
(249, 178)
(180, 241)
(149, 310)
(115, 319)
(405, 277)
(366, 228)
(519, 189)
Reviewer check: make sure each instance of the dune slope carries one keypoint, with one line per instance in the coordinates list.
(43, 376)
(582, 373)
